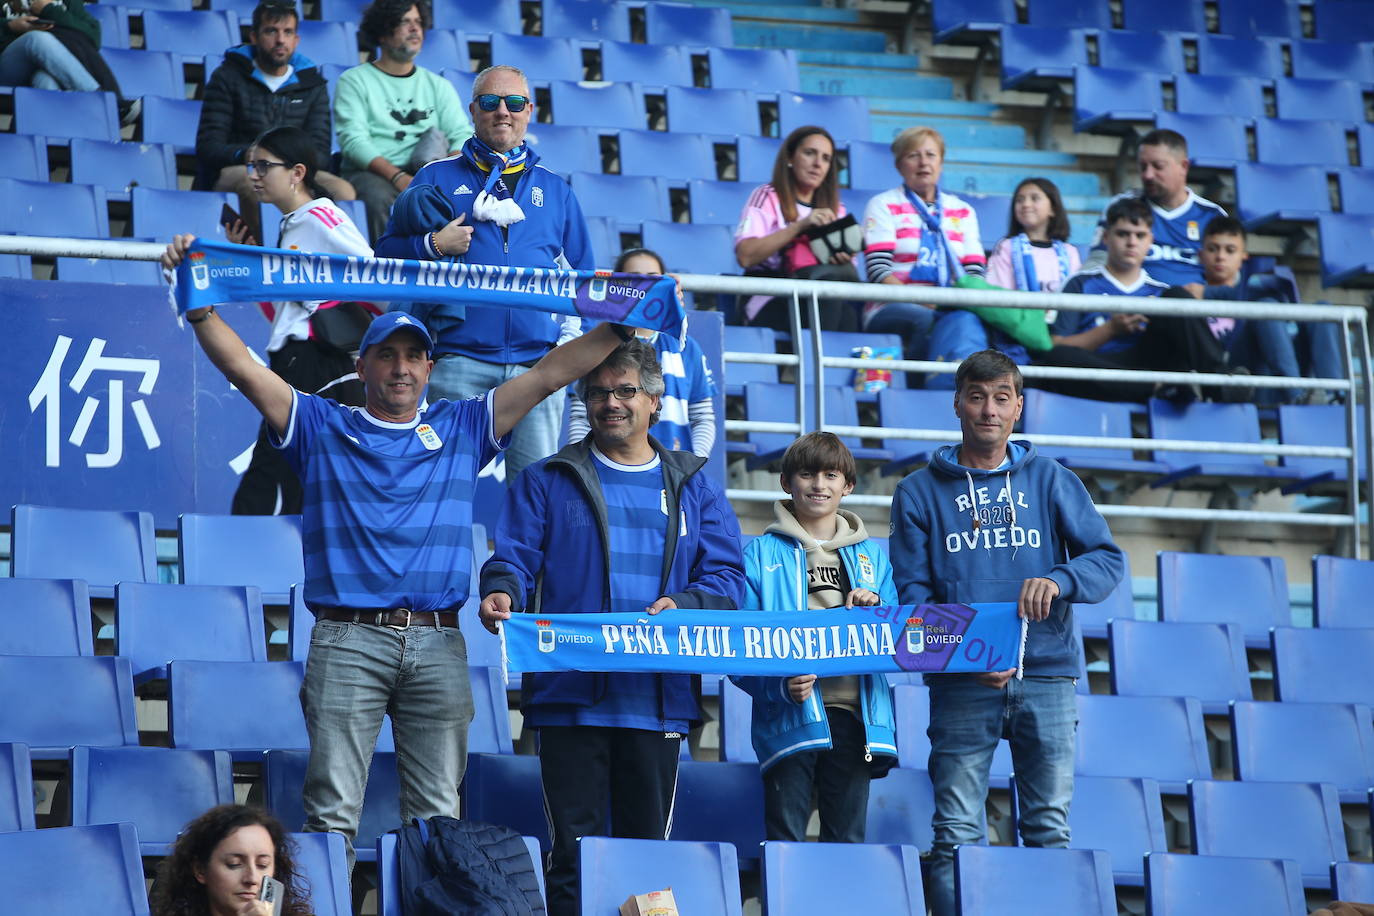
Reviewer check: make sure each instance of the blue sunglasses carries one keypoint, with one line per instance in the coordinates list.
(514, 103)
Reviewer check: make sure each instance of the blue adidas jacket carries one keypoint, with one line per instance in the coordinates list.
(552, 556)
(775, 580)
(552, 234)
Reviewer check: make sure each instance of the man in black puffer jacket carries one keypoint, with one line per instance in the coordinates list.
(262, 84)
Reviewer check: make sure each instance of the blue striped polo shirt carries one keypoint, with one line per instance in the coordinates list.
(387, 521)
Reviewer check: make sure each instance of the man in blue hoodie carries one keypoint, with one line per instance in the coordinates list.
(990, 520)
(493, 204)
(614, 522)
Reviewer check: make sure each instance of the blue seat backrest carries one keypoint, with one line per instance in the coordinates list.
(719, 802)
(1203, 660)
(26, 156)
(1342, 20)
(114, 25)
(591, 20)
(284, 778)
(540, 58)
(162, 213)
(611, 105)
(688, 248)
(1150, 16)
(1310, 665)
(728, 111)
(199, 717)
(1224, 55)
(1332, 60)
(1199, 93)
(650, 65)
(687, 24)
(331, 42)
(476, 17)
(717, 202)
(171, 121)
(1069, 14)
(1174, 882)
(45, 617)
(1160, 737)
(1340, 591)
(1304, 190)
(757, 69)
(911, 706)
(1001, 879)
(101, 546)
(756, 158)
(122, 166)
(1251, 18)
(1119, 604)
(1319, 99)
(1357, 191)
(846, 116)
(445, 49)
(736, 723)
(1030, 51)
(1123, 816)
(1153, 52)
(157, 789)
(350, 11)
(323, 862)
(1291, 142)
(43, 208)
(159, 623)
(16, 787)
(1102, 94)
(1319, 424)
(1290, 820)
(674, 156)
(1304, 742)
(72, 700)
(52, 113)
(1345, 246)
(106, 271)
(704, 876)
(106, 857)
(143, 73)
(799, 878)
(1061, 415)
(917, 408)
(749, 340)
(241, 550)
(490, 729)
(566, 149)
(1211, 138)
(1249, 591)
(505, 789)
(626, 197)
(191, 33)
(900, 808)
(1204, 421)
(1352, 881)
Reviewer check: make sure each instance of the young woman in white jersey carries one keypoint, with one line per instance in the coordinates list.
(310, 342)
(1036, 255)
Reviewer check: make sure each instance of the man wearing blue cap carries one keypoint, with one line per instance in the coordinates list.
(387, 529)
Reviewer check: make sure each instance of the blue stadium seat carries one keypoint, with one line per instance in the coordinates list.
(1238, 96)
(613, 105)
(1318, 424)
(911, 706)
(160, 214)
(622, 196)
(1061, 415)
(769, 403)
(748, 340)
(180, 5)
(1033, 882)
(649, 65)
(589, 20)
(757, 155)
(162, 623)
(157, 789)
(673, 156)
(1290, 820)
(490, 729)
(900, 808)
(347, 11)
(914, 407)
(1185, 885)
(693, 249)
(1150, 51)
(196, 33)
(687, 24)
(1107, 100)
(728, 111)
(1120, 604)
(505, 789)
(323, 861)
(241, 550)
(1202, 660)
(842, 409)
(1340, 592)
(16, 267)
(718, 202)
(1121, 815)
(1251, 592)
(143, 73)
(389, 873)
(1357, 191)
(475, 17)
(870, 165)
(1069, 14)
(1036, 57)
(1214, 141)
(300, 622)
(719, 802)
(799, 878)
(25, 156)
(73, 871)
(64, 115)
(1342, 20)
(266, 712)
(1352, 881)
(844, 344)
(1150, 16)
(120, 167)
(102, 547)
(114, 25)
(1224, 55)
(845, 116)
(1258, 18)
(16, 788)
(106, 271)
(1291, 142)
(1319, 99)
(171, 121)
(541, 58)
(566, 149)
(243, 9)
(992, 211)
(1323, 666)
(605, 235)
(704, 876)
(331, 42)
(1332, 60)
(45, 617)
(1211, 422)
(970, 21)
(283, 775)
(444, 49)
(461, 80)
(756, 69)
(1305, 742)
(1275, 197)
(1347, 246)
(60, 210)
(76, 700)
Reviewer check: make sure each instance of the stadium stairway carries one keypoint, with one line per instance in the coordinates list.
(839, 52)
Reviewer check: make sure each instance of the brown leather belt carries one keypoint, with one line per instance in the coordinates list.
(396, 618)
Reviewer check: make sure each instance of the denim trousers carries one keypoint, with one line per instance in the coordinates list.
(1039, 718)
(356, 673)
(910, 321)
(40, 60)
(839, 777)
(534, 437)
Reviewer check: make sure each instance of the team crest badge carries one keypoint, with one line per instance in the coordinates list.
(537, 196)
(1193, 233)
(200, 271)
(546, 635)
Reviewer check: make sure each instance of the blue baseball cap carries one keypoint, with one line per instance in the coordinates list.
(388, 323)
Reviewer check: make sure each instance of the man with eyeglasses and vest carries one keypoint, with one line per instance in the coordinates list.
(618, 523)
(495, 203)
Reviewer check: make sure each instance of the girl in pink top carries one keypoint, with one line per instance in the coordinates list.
(1036, 255)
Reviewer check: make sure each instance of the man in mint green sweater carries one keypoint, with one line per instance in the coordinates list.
(392, 115)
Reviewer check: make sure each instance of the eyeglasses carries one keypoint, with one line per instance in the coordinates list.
(261, 165)
(621, 392)
(514, 103)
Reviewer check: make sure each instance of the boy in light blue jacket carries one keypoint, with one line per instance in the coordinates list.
(834, 734)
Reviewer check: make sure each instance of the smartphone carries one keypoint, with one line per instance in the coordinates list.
(272, 891)
(228, 216)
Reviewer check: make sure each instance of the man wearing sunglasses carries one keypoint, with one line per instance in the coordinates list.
(614, 522)
(493, 204)
(263, 83)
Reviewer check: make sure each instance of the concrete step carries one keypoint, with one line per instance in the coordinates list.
(765, 11)
(948, 108)
(988, 180)
(876, 59)
(868, 82)
(957, 131)
(1021, 158)
(803, 37)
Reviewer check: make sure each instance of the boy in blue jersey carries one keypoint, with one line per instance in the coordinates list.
(387, 532)
(1178, 216)
(829, 736)
(1127, 340)
(614, 522)
(1051, 547)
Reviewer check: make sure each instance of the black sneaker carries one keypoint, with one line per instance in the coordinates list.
(1235, 394)
(129, 110)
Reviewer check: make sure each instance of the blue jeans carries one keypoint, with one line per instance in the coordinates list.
(355, 673)
(534, 437)
(1266, 348)
(40, 60)
(909, 321)
(1039, 717)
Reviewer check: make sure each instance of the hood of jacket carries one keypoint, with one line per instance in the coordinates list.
(849, 528)
(304, 71)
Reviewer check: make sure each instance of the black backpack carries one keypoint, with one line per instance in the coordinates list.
(467, 868)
